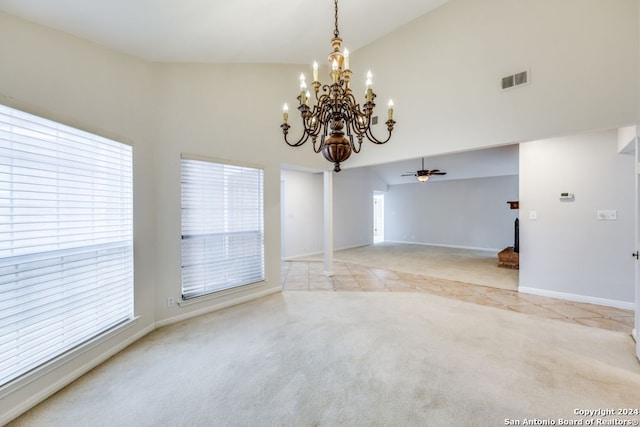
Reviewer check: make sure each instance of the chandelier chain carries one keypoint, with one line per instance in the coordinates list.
(336, 33)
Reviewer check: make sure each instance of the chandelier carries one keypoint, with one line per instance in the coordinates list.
(335, 116)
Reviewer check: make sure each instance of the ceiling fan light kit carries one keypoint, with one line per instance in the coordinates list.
(424, 174)
(335, 116)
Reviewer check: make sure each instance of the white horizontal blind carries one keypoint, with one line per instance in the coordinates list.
(222, 227)
(66, 240)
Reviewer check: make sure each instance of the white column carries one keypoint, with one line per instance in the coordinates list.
(328, 223)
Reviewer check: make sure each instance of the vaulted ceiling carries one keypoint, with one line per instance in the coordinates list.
(251, 31)
(222, 31)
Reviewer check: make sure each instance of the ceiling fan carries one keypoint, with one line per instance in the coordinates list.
(424, 174)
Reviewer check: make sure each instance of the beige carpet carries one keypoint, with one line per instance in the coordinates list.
(464, 265)
(353, 359)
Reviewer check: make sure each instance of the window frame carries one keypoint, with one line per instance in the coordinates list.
(21, 126)
(213, 292)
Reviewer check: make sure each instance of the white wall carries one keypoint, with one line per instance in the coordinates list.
(469, 213)
(443, 72)
(227, 112)
(353, 207)
(637, 307)
(66, 79)
(566, 250)
(303, 213)
(219, 111)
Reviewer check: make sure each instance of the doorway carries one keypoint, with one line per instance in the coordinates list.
(378, 217)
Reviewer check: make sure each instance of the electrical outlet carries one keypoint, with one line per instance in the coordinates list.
(171, 302)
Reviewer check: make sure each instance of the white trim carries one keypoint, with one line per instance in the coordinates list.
(219, 306)
(313, 254)
(64, 358)
(472, 248)
(625, 305)
(362, 245)
(221, 294)
(301, 257)
(634, 335)
(58, 385)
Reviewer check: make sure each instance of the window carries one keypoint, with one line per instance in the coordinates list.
(222, 226)
(66, 240)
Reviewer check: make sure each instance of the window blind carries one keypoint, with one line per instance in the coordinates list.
(66, 239)
(222, 226)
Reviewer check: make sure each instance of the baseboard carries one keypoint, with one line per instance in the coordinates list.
(302, 256)
(58, 385)
(578, 298)
(472, 248)
(361, 245)
(321, 253)
(219, 306)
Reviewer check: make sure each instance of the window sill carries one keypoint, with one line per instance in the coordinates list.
(221, 294)
(65, 358)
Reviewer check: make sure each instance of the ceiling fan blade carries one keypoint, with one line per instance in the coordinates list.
(438, 173)
(408, 174)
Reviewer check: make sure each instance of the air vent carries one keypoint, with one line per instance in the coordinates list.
(507, 82)
(518, 79)
(521, 78)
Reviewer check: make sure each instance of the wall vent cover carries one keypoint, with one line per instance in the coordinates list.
(507, 82)
(518, 79)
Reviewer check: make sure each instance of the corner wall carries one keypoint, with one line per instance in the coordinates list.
(566, 251)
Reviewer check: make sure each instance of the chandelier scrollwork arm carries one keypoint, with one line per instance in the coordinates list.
(285, 131)
(285, 126)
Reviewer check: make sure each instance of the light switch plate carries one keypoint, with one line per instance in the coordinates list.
(607, 215)
(533, 215)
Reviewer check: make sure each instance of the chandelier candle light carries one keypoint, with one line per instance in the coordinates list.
(336, 116)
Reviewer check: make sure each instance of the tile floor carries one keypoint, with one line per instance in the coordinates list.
(308, 276)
